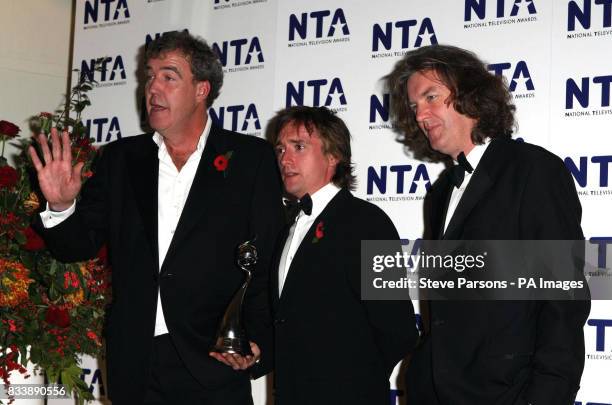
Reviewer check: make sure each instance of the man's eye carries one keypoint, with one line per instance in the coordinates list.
(299, 146)
(279, 151)
(432, 97)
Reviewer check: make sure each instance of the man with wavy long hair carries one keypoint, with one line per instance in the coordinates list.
(450, 109)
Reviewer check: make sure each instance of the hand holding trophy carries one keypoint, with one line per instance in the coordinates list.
(231, 345)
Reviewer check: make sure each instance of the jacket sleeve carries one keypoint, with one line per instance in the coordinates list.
(266, 219)
(551, 211)
(392, 321)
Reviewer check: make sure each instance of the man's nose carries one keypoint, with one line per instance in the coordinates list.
(421, 112)
(153, 86)
(284, 158)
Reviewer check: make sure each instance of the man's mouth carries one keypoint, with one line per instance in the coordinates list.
(156, 108)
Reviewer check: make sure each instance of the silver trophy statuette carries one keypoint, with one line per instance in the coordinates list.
(231, 335)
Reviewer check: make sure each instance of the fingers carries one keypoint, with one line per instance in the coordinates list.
(235, 361)
(66, 149)
(44, 147)
(56, 149)
(76, 170)
(35, 160)
(256, 351)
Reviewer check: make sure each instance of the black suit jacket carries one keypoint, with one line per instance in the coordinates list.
(199, 276)
(503, 352)
(331, 347)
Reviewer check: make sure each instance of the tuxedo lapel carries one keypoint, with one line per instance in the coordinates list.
(144, 176)
(493, 160)
(206, 181)
(309, 252)
(280, 245)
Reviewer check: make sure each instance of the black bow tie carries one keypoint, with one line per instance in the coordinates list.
(457, 172)
(303, 204)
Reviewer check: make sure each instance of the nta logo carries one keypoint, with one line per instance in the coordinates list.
(379, 108)
(110, 69)
(581, 92)
(322, 24)
(583, 15)
(105, 130)
(580, 171)
(112, 10)
(600, 326)
(332, 91)
(520, 73)
(479, 7)
(379, 178)
(384, 36)
(241, 120)
(234, 48)
(150, 37)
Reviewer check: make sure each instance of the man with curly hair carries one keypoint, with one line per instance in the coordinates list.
(450, 109)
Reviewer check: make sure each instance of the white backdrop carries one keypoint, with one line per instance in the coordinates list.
(555, 54)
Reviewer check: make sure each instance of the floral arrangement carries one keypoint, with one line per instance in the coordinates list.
(55, 309)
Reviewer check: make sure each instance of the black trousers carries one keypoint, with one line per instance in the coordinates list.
(170, 383)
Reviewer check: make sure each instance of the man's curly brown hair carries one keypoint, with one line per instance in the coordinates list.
(475, 92)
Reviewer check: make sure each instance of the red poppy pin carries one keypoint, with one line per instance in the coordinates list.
(221, 162)
(319, 232)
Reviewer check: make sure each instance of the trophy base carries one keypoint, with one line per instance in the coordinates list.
(232, 345)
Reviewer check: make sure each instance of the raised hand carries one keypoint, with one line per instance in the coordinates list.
(59, 181)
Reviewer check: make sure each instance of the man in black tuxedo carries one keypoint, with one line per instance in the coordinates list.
(331, 347)
(172, 208)
(450, 108)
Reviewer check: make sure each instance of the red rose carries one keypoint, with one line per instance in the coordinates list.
(8, 177)
(33, 241)
(58, 316)
(220, 163)
(103, 254)
(319, 231)
(8, 129)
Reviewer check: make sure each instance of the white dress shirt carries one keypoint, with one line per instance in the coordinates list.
(300, 228)
(473, 157)
(172, 191)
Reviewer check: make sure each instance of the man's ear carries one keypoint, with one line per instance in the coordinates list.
(202, 90)
(333, 161)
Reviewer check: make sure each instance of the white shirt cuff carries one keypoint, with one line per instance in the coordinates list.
(52, 218)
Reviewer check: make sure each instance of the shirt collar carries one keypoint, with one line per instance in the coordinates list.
(477, 152)
(322, 197)
(159, 140)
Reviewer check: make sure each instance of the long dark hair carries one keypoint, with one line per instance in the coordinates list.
(475, 92)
